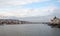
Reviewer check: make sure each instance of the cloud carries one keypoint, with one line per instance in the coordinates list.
(25, 12)
(56, 12)
(29, 12)
(58, 0)
(6, 14)
(18, 2)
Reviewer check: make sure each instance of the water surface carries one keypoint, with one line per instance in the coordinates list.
(28, 30)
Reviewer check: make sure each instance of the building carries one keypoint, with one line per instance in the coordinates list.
(55, 20)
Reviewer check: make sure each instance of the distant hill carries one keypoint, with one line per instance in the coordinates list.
(8, 17)
(38, 18)
(43, 18)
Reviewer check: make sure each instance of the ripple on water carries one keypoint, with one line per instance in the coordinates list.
(29, 30)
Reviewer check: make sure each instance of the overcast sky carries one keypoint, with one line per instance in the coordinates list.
(27, 8)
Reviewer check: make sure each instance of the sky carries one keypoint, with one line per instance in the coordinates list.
(28, 8)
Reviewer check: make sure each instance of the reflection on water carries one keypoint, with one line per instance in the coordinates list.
(54, 26)
(29, 30)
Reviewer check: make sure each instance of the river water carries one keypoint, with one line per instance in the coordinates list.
(28, 30)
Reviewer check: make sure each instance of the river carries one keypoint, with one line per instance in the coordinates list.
(28, 30)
